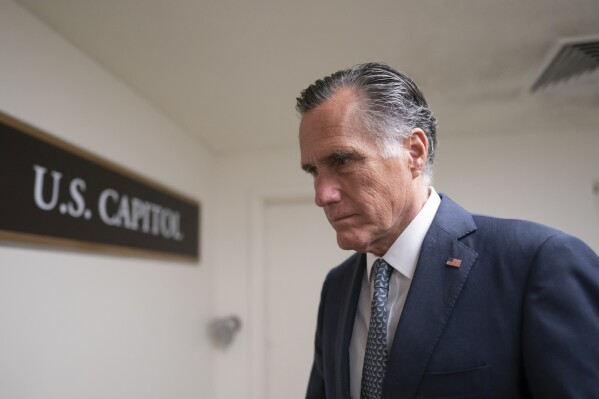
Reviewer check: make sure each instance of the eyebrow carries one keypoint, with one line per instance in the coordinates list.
(308, 168)
(352, 154)
(341, 154)
(332, 158)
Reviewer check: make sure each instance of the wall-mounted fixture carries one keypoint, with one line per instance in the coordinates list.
(222, 331)
(569, 58)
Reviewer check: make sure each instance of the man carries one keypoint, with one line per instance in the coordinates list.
(436, 302)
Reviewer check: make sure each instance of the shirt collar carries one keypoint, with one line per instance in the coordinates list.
(404, 252)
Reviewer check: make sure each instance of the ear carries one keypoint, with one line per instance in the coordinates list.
(417, 146)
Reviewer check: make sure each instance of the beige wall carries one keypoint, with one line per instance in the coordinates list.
(83, 325)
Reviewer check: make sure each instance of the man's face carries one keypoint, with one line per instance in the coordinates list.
(369, 200)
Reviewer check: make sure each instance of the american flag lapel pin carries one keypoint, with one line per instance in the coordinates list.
(453, 262)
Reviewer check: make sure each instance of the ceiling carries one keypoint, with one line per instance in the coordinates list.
(228, 71)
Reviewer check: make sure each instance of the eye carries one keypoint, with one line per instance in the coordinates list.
(339, 159)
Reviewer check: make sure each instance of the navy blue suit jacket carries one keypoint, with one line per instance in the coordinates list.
(518, 319)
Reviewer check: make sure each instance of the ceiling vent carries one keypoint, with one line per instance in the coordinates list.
(570, 57)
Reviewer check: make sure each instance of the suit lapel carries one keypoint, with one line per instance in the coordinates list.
(432, 296)
(351, 293)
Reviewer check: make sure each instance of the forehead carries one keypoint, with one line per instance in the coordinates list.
(337, 120)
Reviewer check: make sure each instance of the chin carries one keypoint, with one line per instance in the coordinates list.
(351, 243)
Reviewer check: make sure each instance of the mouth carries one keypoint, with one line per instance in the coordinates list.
(340, 219)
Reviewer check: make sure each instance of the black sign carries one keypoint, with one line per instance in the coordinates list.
(54, 193)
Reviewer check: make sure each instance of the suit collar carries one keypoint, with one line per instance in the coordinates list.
(432, 296)
(454, 219)
(351, 290)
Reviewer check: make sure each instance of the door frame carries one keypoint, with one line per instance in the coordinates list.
(259, 200)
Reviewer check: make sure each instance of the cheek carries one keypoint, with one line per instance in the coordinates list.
(376, 200)
(360, 188)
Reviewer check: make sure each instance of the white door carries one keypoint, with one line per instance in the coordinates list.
(299, 249)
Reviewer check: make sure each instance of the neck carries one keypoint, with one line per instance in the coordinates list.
(411, 210)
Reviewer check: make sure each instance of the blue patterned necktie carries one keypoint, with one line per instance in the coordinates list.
(375, 358)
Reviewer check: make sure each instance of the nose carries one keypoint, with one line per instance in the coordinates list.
(327, 190)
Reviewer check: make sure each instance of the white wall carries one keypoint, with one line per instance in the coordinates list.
(83, 325)
(543, 176)
(244, 181)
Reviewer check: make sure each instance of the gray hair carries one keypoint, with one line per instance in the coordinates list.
(393, 106)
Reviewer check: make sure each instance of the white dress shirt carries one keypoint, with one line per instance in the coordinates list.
(402, 256)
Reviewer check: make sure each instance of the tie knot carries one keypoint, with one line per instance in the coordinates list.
(382, 273)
